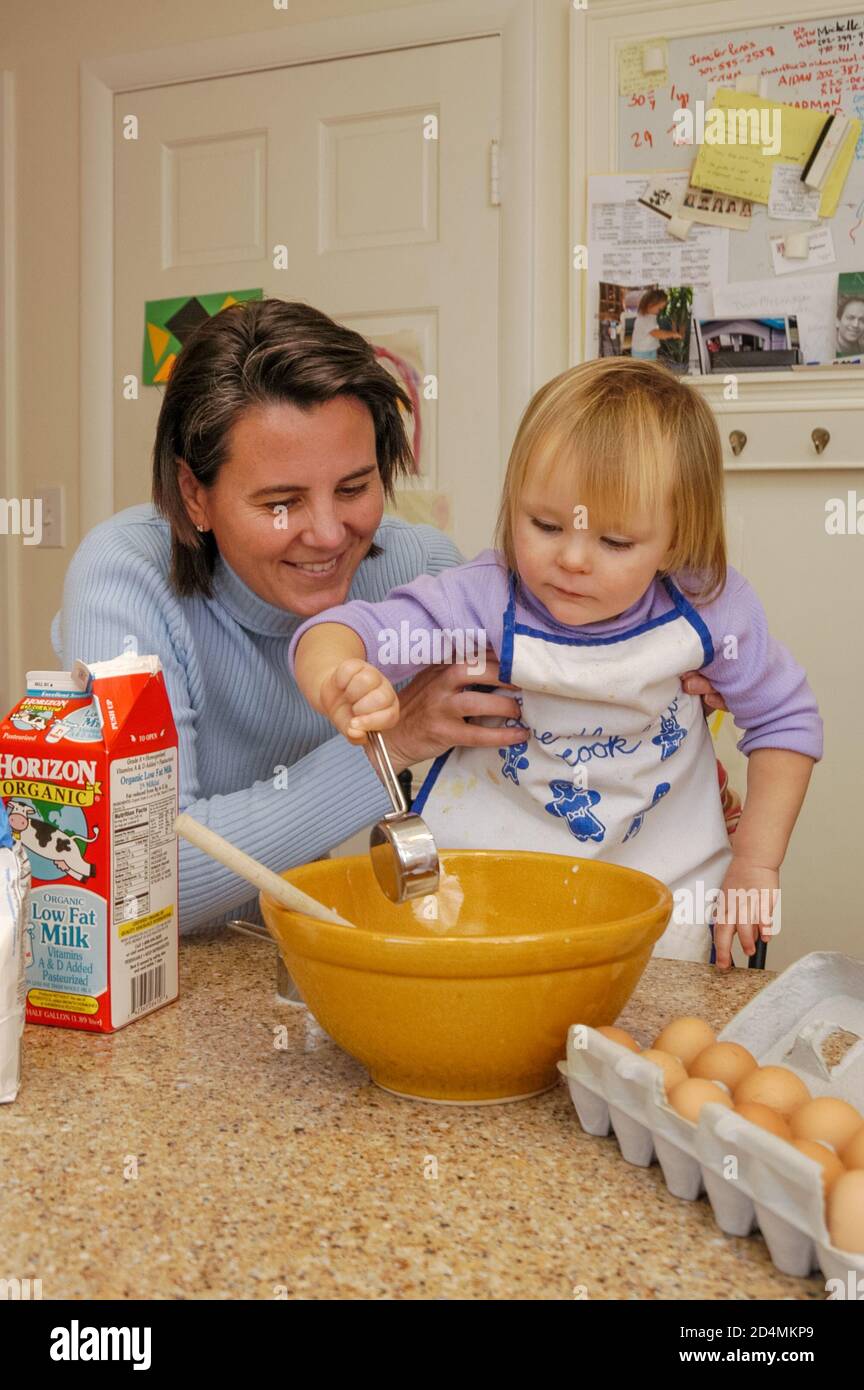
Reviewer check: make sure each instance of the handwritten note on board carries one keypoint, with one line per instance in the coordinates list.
(633, 76)
(746, 168)
(790, 199)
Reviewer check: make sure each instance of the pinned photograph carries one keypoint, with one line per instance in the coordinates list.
(648, 322)
(748, 344)
(849, 341)
(663, 196)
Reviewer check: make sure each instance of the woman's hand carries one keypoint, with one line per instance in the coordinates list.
(695, 684)
(435, 706)
(748, 902)
(357, 698)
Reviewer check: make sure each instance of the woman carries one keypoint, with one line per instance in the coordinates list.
(279, 438)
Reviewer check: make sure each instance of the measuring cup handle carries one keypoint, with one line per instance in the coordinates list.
(385, 771)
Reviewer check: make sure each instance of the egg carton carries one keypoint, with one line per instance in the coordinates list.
(775, 1187)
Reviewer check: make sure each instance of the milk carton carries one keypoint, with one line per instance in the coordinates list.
(88, 773)
(14, 886)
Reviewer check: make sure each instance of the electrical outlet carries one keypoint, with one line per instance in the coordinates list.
(53, 499)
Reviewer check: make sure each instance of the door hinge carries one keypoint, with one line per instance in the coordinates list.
(494, 175)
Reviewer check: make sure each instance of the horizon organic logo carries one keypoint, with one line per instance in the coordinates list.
(22, 516)
(728, 126)
(440, 646)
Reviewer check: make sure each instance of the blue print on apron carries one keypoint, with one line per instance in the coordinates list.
(617, 761)
(575, 806)
(514, 761)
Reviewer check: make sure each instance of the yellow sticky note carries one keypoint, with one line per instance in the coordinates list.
(633, 78)
(756, 133)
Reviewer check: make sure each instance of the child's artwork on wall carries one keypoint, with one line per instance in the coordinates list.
(408, 375)
(168, 324)
(406, 344)
(422, 506)
(649, 322)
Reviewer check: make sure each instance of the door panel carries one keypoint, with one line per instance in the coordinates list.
(388, 231)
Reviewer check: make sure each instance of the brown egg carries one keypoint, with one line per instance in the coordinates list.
(618, 1035)
(685, 1038)
(853, 1154)
(673, 1070)
(723, 1061)
(846, 1213)
(765, 1118)
(689, 1097)
(775, 1086)
(832, 1168)
(827, 1121)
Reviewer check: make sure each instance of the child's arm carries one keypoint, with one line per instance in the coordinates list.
(769, 698)
(332, 672)
(361, 647)
(777, 782)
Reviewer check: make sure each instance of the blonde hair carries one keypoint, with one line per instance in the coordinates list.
(632, 436)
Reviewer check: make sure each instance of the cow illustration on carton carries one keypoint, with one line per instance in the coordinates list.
(58, 845)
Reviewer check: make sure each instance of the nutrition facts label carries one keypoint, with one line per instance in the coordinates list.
(143, 807)
(143, 938)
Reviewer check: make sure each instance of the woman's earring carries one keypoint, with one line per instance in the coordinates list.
(199, 528)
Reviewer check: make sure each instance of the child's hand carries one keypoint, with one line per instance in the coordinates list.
(356, 698)
(748, 902)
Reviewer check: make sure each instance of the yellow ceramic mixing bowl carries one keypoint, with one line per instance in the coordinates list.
(467, 995)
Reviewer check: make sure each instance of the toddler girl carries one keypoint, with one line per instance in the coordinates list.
(609, 581)
(647, 334)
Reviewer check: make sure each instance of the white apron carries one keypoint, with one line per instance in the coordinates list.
(647, 795)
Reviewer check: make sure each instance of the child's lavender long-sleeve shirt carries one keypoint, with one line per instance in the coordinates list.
(765, 689)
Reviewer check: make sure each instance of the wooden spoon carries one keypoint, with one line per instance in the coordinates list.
(256, 873)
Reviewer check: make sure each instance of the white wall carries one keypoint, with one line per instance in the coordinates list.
(42, 45)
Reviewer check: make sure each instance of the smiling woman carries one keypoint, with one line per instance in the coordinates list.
(279, 439)
(298, 543)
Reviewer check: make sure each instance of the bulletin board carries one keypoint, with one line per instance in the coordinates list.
(810, 68)
(816, 65)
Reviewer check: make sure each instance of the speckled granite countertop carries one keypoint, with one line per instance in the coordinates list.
(265, 1171)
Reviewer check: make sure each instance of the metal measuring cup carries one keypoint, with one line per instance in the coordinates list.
(403, 852)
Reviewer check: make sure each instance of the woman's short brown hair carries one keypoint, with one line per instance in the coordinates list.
(251, 354)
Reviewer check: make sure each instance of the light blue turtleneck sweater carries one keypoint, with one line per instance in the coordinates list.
(240, 717)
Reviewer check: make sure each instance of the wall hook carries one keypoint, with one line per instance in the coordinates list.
(820, 439)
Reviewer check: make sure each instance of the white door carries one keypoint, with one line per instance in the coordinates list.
(387, 230)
